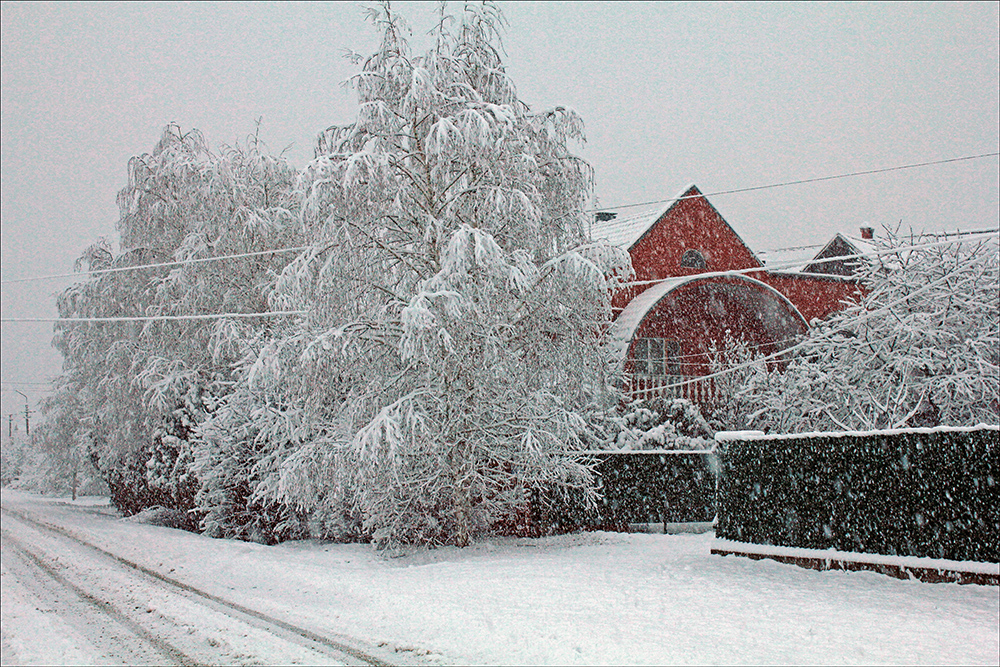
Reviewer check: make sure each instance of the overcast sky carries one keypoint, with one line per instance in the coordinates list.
(722, 95)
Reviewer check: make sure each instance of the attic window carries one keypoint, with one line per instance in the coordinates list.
(692, 259)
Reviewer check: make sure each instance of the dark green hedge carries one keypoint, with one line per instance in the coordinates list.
(911, 493)
(637, 487)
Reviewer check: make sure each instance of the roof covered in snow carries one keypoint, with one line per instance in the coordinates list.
(794, 258)
(629, 225)
(628, 321)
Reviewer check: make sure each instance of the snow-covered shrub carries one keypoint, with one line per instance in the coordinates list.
(743, 374)
(12, 460)
(230, 472)
(169, 468)
(56, 461)
(658, 424)
(921, 347)
(236, 455)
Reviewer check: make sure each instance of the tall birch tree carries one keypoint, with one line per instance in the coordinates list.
(453, 348)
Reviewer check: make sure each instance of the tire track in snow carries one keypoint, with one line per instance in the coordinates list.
(303, 637)
(105, 609)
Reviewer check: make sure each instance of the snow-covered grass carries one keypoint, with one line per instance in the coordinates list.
(590, 598)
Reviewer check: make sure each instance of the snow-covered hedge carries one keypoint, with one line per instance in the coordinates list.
(910, 492)
(658, 424)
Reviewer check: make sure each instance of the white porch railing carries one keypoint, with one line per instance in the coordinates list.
(697, 390)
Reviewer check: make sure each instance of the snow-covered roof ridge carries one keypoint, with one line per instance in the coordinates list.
(793, 259)
(862, 244)
(624, 230)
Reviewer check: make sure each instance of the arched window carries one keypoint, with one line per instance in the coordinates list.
(692, 259)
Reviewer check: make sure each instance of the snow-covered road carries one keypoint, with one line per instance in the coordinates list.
(596, 598)
(68, 601)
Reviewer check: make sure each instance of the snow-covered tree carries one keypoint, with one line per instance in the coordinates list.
(142, 386)
(921, 347)
(59, 460)
(453, 345)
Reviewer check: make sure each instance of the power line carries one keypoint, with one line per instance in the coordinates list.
(833, 331)
(154, 318)
(603, 208)
(800, 182)
(972, 236)
(155, 266)
(712, 274)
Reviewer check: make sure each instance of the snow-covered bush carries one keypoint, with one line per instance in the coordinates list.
(12, 460)
(741, 373)
(56, 459)
(921, 347)
(230, 469)
(659, 424)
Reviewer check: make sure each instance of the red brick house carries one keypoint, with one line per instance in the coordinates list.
(683, 300)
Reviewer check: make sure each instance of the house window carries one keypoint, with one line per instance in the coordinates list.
(640, 356)
(656, 356)
(673, 357)
(692, 259)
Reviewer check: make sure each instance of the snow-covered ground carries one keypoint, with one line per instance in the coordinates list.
(592, 598)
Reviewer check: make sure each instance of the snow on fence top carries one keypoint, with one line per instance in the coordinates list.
(726, 436)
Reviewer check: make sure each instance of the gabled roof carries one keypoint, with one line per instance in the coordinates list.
(793, 259)
(625, 229)
(828, 259)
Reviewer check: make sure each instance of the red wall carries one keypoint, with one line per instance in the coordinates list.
(815, 297)
(695, 314)
(690, 223)
(694, 223)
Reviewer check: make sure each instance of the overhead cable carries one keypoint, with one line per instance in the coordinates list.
(603, 208)
(799, 182)
(156, 266)
(831, 332)
(790, 264)
(710, 274)
(155, 318)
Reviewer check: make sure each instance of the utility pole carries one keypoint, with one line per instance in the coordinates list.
(27, 425)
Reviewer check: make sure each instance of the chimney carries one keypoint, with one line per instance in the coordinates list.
(867, 232)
